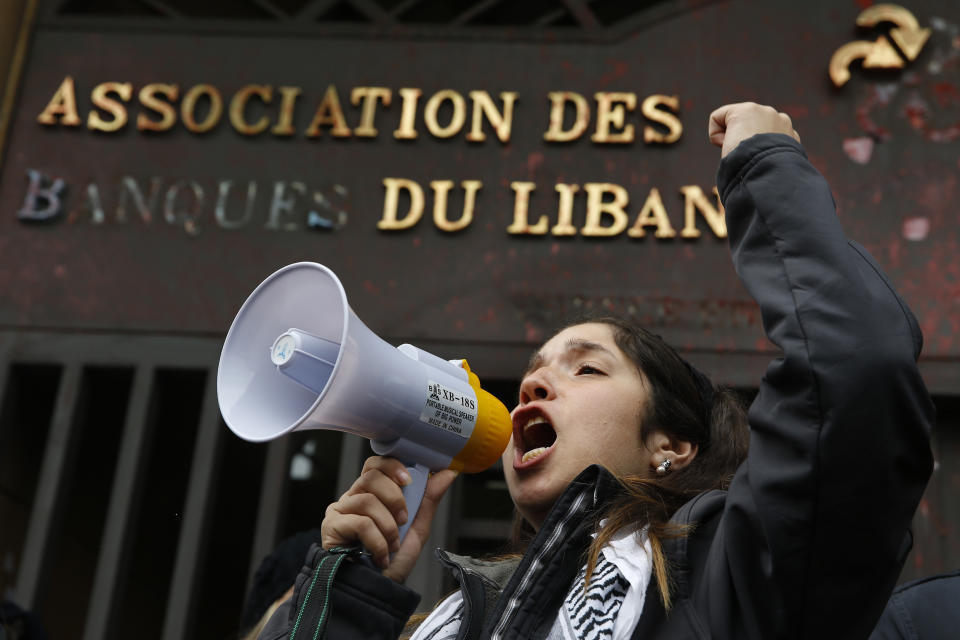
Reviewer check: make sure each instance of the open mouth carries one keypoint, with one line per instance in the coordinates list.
(536, 438)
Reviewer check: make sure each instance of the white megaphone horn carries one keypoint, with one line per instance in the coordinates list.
(296, 357)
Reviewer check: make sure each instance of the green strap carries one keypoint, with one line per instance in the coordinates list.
(314, 611)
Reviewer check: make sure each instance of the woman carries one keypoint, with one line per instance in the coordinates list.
(618, 458)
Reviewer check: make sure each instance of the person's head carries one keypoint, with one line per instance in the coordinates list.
(608, 392)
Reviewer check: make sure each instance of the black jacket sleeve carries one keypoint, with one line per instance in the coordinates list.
(352, 601)
(816, 524)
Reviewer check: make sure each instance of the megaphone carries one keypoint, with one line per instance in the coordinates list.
(297, 357)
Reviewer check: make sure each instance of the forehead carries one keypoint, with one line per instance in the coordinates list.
(588, 337)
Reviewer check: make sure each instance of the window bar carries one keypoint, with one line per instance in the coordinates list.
(315, 9)
(582, 13)
(270, 507)
(33, 567)
(351, 461)
(203, 472)
(125, 481)
(372, 11)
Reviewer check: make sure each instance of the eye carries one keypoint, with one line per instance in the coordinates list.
(585, 369)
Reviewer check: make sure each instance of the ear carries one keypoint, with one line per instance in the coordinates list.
(662, 447)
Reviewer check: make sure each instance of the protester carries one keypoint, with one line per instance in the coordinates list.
(627, 465)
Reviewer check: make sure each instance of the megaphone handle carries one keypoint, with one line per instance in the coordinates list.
(413, 494)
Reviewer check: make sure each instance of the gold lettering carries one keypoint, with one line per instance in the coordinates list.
(558, 101)
(124, 91)
(239, 102)
(483, 106)
(369, 96)
(390, 222)
(612, 110)
(667, 119)
(408, 114)
(694, 200)
(653, 214)
(329, 113)
(63, 103)
(521, 206)
(564, 226)
(168, 113)
(441, 189)
(288, 100)
(189, 105)
(457, 118)
(596, 207)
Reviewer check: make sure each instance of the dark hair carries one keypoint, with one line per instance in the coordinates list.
(684, 404)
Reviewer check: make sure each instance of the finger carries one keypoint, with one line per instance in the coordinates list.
(384, 488)
(389, 467)
(412, 545)
(717, 124)
(350, 528)
(367, 504)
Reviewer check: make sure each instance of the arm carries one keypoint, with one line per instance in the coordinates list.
(341, 596)
(340, 592)
(839, 453)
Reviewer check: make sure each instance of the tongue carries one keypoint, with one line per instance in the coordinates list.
(533, 453)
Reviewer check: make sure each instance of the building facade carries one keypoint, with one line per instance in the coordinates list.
(475, 172)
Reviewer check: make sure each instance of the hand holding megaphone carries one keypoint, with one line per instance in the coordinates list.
(370, 511)
(297, 357)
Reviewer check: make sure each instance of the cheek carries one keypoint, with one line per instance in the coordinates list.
(507, 460)
(618, 445)
(507, 456)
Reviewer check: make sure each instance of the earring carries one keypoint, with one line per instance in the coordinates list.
(663, 467)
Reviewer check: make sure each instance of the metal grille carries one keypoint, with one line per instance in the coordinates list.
(598, 20)
(130, 510)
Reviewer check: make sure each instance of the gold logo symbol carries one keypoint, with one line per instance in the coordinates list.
(907, 35)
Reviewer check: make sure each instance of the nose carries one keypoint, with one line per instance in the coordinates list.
(536, 386)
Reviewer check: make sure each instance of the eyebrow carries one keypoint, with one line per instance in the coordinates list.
(573, 345)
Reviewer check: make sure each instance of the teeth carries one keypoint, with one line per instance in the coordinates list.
(533, 421)
(533, 453)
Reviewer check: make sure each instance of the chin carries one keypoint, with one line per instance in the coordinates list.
(535, 502)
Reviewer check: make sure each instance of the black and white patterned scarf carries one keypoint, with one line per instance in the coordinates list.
(591, 612)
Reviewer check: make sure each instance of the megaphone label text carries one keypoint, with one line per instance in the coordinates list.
(450, 410)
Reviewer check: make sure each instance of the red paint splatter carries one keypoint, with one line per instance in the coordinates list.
(876, 98)
(946, 93)
(864, 4)
(796, 111)
(533, 333)
(370, 287)
(534, 161)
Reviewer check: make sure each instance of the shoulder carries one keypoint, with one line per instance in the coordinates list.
(924, 608)
(703, 507)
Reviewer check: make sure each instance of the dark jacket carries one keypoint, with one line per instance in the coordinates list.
(925, 609)
(810, 537)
